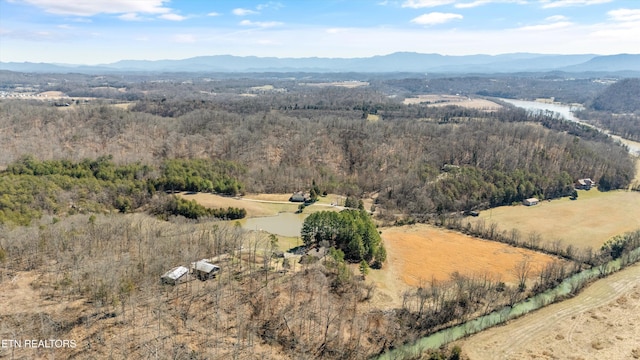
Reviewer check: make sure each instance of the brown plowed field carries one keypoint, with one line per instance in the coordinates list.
(421, 253)
(599, 323)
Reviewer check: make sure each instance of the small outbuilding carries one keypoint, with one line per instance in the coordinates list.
(175, 276)
(530, 202)
(584, 184)
(299, 197)
(204, 270)
(318, 253)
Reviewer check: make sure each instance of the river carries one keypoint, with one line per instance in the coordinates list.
(566, 112)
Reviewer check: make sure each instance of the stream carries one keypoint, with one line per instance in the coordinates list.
(448, 335)
(500, 316)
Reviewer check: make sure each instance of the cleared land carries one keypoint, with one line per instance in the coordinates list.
(444, 100)
(260, 205)
(265, 204)
(599, 323)
(419, 253)
(346, 84)
(587, 222)
(636, 181)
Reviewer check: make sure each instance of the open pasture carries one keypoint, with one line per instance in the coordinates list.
(265, 204)
(345, 84)
(258, 206)
(444, 100)
(421, 253)
(589, 221)
(599, 323)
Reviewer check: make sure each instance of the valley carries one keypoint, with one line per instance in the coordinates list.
(100, 199)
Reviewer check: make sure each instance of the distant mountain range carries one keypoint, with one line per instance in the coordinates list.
(396, 62)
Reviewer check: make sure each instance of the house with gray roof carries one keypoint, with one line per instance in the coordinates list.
(204, 270)
(175, 276)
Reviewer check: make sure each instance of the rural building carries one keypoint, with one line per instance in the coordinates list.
(299, 197)
(175, 276)
(204, 270)
(318, 253)
(584, 184)
(530, 202)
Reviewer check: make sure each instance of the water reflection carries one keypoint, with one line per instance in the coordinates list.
(566, 112)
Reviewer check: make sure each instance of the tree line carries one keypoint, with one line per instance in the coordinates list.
(351, 231)
(283, 141)
(31, 187)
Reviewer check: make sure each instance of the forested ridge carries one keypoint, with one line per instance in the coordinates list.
(30, 188)
(419, 159)
(617, 109)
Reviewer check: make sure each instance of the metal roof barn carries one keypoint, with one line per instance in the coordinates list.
(175, 275)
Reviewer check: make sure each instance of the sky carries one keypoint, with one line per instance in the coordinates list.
(104, 31)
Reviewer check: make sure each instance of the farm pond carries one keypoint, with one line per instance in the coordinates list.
(284, 224)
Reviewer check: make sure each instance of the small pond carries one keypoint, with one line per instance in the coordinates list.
(285, 224)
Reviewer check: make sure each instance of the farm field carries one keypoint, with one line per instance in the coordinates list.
(444, 100)
(587, 222)
(265, 205)
(599, 323)
(419, 253)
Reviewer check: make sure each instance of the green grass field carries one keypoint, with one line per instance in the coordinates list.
(586, 222)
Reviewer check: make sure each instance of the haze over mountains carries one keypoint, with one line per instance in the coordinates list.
(396, 62)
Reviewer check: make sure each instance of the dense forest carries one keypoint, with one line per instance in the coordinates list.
(415, 159)
(30, 188)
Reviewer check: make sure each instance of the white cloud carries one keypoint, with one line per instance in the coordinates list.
(94, 7)
(624, 15)
(486, 2)
(435, 18)
(419, 4)
(244, 12)
(213, 14)
(184, 38)
(556, 18)
(271, 4)
(130, 17)
(565, 3)
(268, 42)
(553, 22)
(172, 17)
(65, 27)
(545, 27)
(81, 20)
(262, 24)
(336, 30)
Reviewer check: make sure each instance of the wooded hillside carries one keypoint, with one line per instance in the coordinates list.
(617, 108)
(419, 159)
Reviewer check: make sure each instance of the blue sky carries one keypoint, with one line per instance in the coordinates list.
(104, 31)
